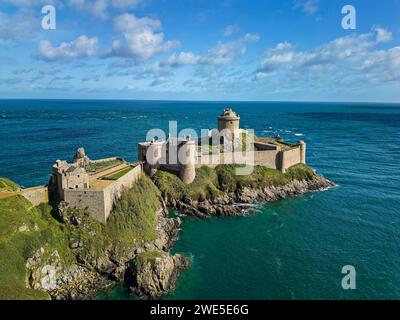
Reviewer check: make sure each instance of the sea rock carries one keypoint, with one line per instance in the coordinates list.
(167, 231)
(156, 276)
(79, 283)
(43, 269)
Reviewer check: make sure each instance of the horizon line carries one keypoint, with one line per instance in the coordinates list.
(201, 100)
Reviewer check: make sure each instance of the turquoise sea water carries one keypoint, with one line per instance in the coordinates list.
(292, 249)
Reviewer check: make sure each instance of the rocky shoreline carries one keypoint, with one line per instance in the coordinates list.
(242, 201)
(149, 270)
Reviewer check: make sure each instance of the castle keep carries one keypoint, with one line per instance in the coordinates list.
(95, 185)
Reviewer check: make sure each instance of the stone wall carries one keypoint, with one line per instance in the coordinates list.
(113, 191)
(274, 159)
(267, 159)
(290, 158)
(36, 195)
(90, 200)
(261, 146)
(99, 203)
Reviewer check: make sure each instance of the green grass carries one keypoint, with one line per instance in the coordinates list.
(16, 247)
(284, 145)
(118, 174)
(97, 166)
(300, 172)
(8, 185)
(134, 219)
(146, 257)
(260, 177)
(211, 183)
(204, 186)
(132, 222)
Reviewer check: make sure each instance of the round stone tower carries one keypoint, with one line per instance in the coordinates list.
(151, 153)
(302, 151)
(186, 158)
(228, 120)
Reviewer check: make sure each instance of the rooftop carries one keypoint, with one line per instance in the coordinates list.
(229, 113)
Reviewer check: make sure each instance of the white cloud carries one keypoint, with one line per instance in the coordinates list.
(230, 30)
(32, 3)
(125, 4)
(227, 52)
(160, 81)
(183, 58)
(97, 8)
(17, 26)
(382, 65)
(309, 7)
(382, 35)
(223, 53)
(79, 48)
(282, 46)
(346, 57)
(100, 8)
(143, 38)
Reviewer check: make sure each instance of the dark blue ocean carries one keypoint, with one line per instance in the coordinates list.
(292, 249)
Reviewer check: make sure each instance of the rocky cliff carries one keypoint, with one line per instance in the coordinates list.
(62, 253)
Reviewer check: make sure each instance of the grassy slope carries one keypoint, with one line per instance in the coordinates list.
(8, 185)
(204, 186)
(210, 183)
(16, 246)
(133, 221)
(134, 217)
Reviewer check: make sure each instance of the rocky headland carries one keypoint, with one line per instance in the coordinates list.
(218, 192)
(62, 253)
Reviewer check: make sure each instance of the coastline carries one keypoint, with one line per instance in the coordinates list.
(146, 267)
(158, 277)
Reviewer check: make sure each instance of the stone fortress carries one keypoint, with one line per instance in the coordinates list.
(92, 185)
(95, 185)
(228, 145)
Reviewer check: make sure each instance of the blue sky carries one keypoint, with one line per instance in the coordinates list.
(288, 50)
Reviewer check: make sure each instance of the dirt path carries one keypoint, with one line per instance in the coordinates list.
(6, 194)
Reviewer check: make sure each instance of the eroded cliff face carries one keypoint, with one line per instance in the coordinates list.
(96, 273)
(102, 255)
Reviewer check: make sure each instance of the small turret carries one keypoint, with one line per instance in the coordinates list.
(151, 152)
(187, 158)
(302, 151)
(228, 120)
